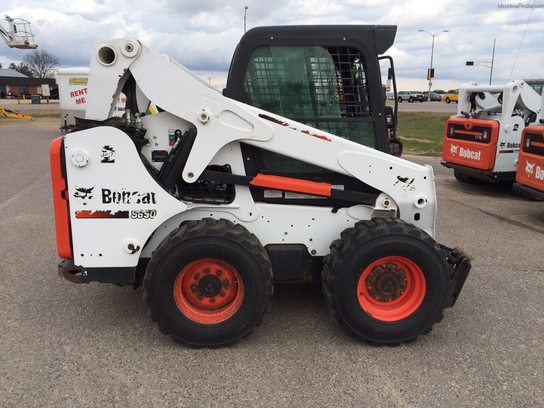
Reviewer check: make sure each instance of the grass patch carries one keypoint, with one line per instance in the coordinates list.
(46, 115)
(422, 132)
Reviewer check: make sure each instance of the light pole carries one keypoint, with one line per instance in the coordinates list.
(430, 73)
(245, 17)
(485, 64)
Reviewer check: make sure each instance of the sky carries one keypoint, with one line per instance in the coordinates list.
(202, 35)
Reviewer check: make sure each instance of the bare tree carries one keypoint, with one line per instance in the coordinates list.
(22, 68)
(41, 63)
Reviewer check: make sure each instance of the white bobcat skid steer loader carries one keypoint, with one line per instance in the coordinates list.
(165, 200)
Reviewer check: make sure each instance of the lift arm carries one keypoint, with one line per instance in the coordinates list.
(511, 95)
(220, 121)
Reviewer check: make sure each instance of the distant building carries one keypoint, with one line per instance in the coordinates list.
(15, 85)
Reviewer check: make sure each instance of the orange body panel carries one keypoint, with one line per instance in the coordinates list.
(530, 171)
(60, 201)
(471, 142)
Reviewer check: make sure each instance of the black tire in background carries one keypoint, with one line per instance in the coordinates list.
(464, 178)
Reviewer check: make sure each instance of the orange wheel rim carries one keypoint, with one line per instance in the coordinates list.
(391, 288)
(208, 291)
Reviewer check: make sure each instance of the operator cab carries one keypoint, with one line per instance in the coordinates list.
(327, 77)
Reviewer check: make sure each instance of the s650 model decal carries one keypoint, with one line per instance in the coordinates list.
(110, 214)
(90, 214)
(143, 214)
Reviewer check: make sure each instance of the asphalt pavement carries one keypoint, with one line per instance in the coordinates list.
(67, 345)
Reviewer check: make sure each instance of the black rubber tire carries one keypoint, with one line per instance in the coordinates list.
(448, 100)
(464, 178)
(199, 241)
(357, 249)
(400, 99)
(411, 100)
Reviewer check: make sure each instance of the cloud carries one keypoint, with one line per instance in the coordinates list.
(203, 35)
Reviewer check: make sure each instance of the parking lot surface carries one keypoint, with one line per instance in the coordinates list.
(64, 345)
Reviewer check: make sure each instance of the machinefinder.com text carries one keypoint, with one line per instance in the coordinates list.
(519, 5)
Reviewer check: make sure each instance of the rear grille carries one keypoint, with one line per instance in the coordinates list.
(479, 134)
(534, 143)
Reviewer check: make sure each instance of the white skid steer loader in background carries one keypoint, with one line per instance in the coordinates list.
(165, 200)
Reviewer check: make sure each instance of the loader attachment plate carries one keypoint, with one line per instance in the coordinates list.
(461, 264)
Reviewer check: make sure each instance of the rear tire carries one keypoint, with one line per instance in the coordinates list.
(208, 283)
(464, 178)
(386, 281)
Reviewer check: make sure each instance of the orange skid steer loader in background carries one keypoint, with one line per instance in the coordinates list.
(483, 140)
(530, 173)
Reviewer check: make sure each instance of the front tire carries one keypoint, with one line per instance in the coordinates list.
(386, 281)
(208, 283)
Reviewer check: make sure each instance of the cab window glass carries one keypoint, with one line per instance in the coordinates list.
(324, 87)
(308, 81)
